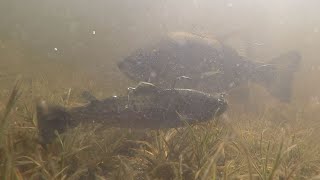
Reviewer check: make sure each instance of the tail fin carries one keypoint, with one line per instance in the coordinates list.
(277, 76)
(50, 118)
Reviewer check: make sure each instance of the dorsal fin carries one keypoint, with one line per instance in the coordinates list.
(182, 38)
(178, 79)
(144, 88)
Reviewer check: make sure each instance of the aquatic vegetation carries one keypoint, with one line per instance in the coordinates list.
(61, 48)
(237, 147)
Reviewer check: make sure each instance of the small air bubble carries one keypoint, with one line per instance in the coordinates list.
(114, 96)
(93, 32)
(55, 49)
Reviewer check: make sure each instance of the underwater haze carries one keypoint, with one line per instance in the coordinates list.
(56, 50)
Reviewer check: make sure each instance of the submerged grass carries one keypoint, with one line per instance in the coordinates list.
(235, 147)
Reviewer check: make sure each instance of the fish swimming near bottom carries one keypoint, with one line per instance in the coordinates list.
(145, 106)
(211, 65)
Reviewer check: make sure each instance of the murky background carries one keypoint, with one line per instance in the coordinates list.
(76, 44)
(61, 47)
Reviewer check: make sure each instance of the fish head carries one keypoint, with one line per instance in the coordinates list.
(222, 104)
(202, 106)
(216, 104)
(137, 66)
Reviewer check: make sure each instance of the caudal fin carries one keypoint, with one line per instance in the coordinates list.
(277, 76)
(50, 119)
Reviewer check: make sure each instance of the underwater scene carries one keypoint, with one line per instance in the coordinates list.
(160, 90)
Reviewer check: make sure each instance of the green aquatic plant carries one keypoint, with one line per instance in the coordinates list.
(8, 168)
(235, 147)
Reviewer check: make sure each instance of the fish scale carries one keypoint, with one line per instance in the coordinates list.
(145, 106)
(211, 65)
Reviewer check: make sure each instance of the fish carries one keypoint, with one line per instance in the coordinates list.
(145, 106)
(211, 65)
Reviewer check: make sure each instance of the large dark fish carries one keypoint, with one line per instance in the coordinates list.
(211, 65)
(145, 106)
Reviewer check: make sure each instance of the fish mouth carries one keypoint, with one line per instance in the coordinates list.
(223, 106)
